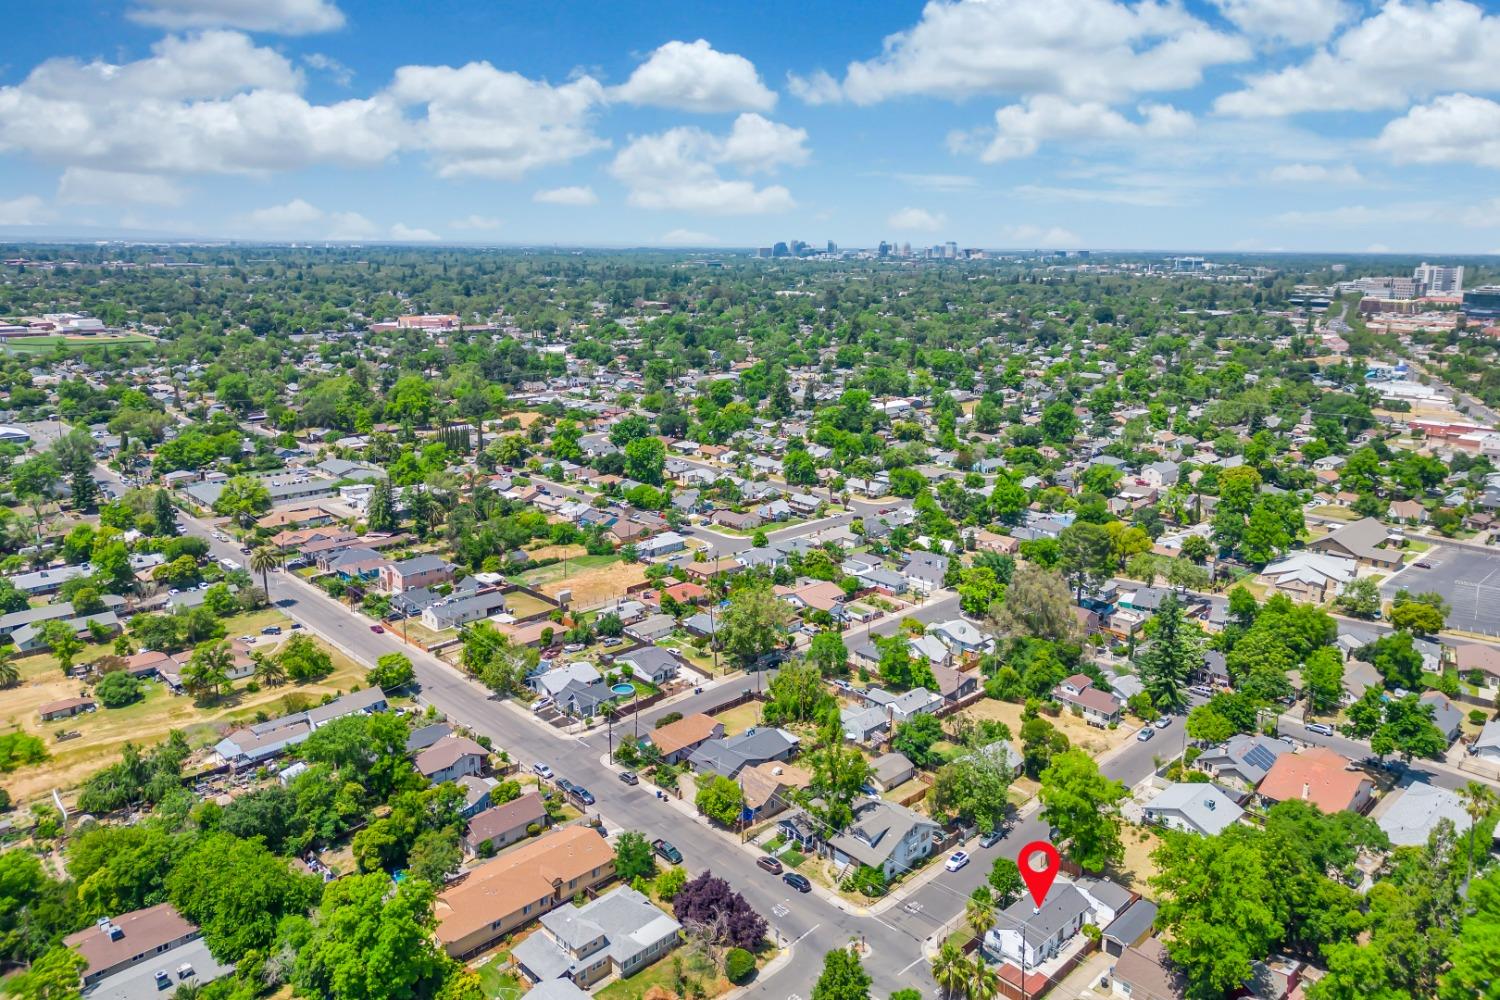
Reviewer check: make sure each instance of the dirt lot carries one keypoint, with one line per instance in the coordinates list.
(556, 552)
(1078, 732)
(740, 718)
(524, 605)
(146, 722)
(592, 579)
(1138, 867)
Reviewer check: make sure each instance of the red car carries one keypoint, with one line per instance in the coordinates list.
(377, 628)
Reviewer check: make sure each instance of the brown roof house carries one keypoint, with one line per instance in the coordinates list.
(65, 708)
(1366, 541)
(450, 759)
(676, 740)
(1320, 776)
(519, 886)
(1098, 707)
(115, 944)
(505, 824)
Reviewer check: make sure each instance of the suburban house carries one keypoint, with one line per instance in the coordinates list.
(450, 759)
(903, 706)
(890, 770)
(1046, 932)
(65, 708)
(263, 740)
(1366, 541)
(800, 829)
(883, 835)
(924, 571)
(553, 682)
(462, 610)
(1479, 661)
(1320, 776)
(676, 740)
(1409, 815)
(1246, 758)
(409, 574)
(1313, 577)
(1193, 807)
(618, 934)
(154, 934)
(867, 724)
(955, 685)
(765, 788)
(962, 638)
(512, 890)
(1100, 708)
(757, 745)
(1144, 972)
(653, 663)
(503, 825)
(1445, 715)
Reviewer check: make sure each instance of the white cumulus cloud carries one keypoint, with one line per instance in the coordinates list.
(1314, 173)
(413, 234)
(1077, 48)
(1020, 129)
(679, 169)
(480, 121)
(1296, 22)
(27, 210)
(1455, 128)
(694, 76)
(299, 219)
(286, 17)
(918, 219)
(574, 195)
(1407, 50)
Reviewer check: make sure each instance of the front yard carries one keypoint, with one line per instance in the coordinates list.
(740, 718)
(1078, 732)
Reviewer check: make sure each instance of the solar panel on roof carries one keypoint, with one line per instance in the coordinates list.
(1260, 757)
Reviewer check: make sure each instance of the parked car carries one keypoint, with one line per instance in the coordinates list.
(1202, 689)
(956, 860)
(1145, 735)
(991, 839)
(630, 778)
(271, 630)
(541, 770)
(769, 863)
(565, 786)
(162, 979)
(1422, 564)
(1163, 722)
(573, 647)
(377, 629)
(666, 851)
(1321, 728)
(798, 882)
(582, 795)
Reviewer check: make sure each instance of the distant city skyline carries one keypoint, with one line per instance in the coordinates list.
(1205, 125)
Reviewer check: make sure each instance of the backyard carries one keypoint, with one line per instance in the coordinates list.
(592, 579)
(1078, 732)
(740, 718)
(146, 722)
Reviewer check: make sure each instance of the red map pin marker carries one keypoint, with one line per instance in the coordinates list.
(1038, 880)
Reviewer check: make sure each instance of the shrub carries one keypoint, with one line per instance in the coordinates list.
(1476, 717)
(670, 882)
(738, 964)
(117, 689)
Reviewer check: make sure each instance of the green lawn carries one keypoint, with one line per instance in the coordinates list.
(42, 345)
(662, 974)
(498, 981)
(562, 570)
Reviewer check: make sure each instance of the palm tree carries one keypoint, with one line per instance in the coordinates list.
(980, 911)
(207, 673)
(1478, 801)
(984, 981)
(267, 670)
(9, 674)
(262, 561)
(950, 969)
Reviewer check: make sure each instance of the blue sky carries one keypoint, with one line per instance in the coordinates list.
(1219, 125)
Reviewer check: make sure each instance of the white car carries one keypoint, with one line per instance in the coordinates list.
(542, 770)
(956, 860)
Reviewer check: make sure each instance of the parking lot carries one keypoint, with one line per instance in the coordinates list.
(1469, 581)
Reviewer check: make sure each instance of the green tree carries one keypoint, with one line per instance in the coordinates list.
(63, 640)
(244, 498)
(752, 624)
(720, 799)
(828, 652)
(164, 514)
(950, 969)
(797, 694)
(370, 943)
(916, 736)
(1087, 555)
(237, 891)
(634, 857)
(1217, 904)
(117, 689)
(1360, 598)
(843, 978)
(263, 560)
(207, 672)
(1323, 679)
(380, 512)
(54, 976)
(645, 459)
(1084, 806)
(1006, 882)
(1418, 618)
(1037, 603)
(392, 672)
(839, 774)
(1175, 652)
